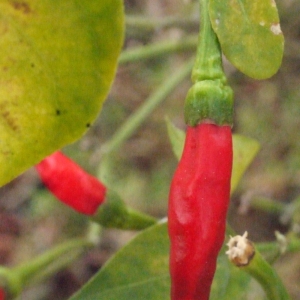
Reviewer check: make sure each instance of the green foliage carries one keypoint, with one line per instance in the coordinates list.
(57, 62)
(250, 35)
(244, 151)
(140, 271)
(176, 137)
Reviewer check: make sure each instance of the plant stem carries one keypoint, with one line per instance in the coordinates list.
(267, 277)
(208, 63)
(139, 116)
(268, 205)
(158, 49)
(293, 245)
(138, 220)
(50, 262)
(210, 99)
(114, 213)
(150, 24)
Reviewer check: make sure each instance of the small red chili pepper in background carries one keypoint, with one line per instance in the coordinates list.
(198, 203)
(85, 193)
(2, 294)
(71, 184)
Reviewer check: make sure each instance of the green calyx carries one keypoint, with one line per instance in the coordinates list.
(113, 212)
(209, 101)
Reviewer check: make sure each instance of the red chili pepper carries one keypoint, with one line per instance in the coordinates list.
(198, 203)
(71, 184)
(2, 294)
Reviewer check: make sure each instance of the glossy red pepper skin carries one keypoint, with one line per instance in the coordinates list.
(198, 202)
(71, 184)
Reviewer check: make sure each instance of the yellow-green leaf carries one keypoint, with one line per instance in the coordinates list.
(140, 271)
(244, 151)
(250, 35)
(57, 62)
(176, 137)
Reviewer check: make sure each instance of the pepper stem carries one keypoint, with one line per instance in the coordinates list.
(114, 213)
(210, 99)
(208, 63)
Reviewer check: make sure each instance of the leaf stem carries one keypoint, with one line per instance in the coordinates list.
(139, 116)
(292, 245)
(158, 49)
(151, 24)
(45, 265)
(268, 205)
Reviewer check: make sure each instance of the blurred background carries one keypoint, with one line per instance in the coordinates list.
(141, 168)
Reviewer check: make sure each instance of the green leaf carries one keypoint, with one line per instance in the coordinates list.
(244, 151)
(250, 35)
(176, 137)
(57, 62)
(140, 271)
